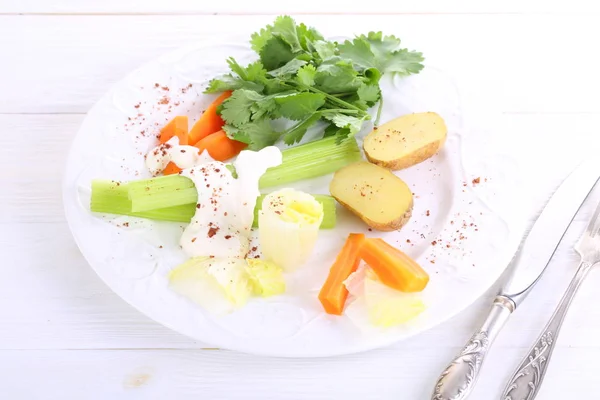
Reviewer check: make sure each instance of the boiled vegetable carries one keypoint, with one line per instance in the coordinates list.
(393, 267)
(177, 127)
(219, 146)
(266, 277)
(406, 141)
(288, 227)
(209, 122)
(112, 197)
(377, 196)
(334, 293)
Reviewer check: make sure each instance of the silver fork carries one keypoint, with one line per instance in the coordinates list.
(526, 382)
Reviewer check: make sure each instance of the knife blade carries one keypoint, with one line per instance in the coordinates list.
(458, 379)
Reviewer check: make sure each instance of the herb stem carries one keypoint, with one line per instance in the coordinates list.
(376, 123)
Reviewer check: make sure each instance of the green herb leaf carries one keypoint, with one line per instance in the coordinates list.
(307, 37)
(295, 134)
(237, 109)
(381, 52)
(335, 78)
(299, 106)
(349, 126)
(288, 69)
(275, 53)
(285, 28)
(306, 75)
(324, 49)
(257, 135)
(370, 94)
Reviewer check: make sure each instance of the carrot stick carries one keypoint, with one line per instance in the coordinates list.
(209, 122)
(333, 294)
(171, 169)
(393, 268)
(220, 147)
(178, 126)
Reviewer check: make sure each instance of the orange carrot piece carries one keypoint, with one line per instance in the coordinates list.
(333, 294)
(220, 147)
(393, 267)
(171, 169)
(178, 126)
(209, 122)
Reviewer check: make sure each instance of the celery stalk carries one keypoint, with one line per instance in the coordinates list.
(306, 161)
(111, 197)
(310, 160)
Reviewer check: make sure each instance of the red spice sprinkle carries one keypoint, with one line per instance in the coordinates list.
(137, 106)
(432, 261)
(126, 224)
(156, 85)
(227, 237)
(254, 248)
(407, 240)
(225, 214)
(476, 181)
(427, 213)
(212, 231)
(165, 88)
(448, 246)
(160, 247)
(198, 205)
(434, 243)
(164, 100)
(193, 240)
(370, 230)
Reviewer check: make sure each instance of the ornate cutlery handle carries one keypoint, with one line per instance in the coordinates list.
(526, 381)
(458, 379)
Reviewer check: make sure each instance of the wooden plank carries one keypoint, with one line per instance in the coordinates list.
(186, 374)
(273, 7)
(516, 70)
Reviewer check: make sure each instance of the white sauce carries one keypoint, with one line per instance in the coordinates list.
(181, 155)
(222, 224)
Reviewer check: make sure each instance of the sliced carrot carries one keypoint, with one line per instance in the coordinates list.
(178, 126)
(171, 169)
(333, 294)
(393, 267)
(220, 147)
(209, 122)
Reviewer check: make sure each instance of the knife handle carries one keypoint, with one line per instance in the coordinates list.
(458, 379)
(526, 382)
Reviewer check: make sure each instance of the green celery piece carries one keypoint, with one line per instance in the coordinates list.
(163, 199)
(306, 161)
(159, 184)
(310, 160)
(111, 197)
(329, 215)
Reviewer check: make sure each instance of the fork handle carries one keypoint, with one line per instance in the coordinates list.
(527, 380)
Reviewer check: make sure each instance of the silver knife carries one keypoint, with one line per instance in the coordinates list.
(457, 381)
(527, 380)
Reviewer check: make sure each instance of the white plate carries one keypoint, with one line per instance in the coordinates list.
(458, 231)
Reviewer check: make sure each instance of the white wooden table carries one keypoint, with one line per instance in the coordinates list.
(65, 335)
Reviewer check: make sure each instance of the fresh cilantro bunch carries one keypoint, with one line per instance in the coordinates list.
(304, 78)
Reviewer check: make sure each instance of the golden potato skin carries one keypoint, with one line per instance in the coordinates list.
(406, 141)
(392, 225)
(374, 194)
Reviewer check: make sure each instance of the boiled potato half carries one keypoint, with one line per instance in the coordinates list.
(381, 199)
(406, 141)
